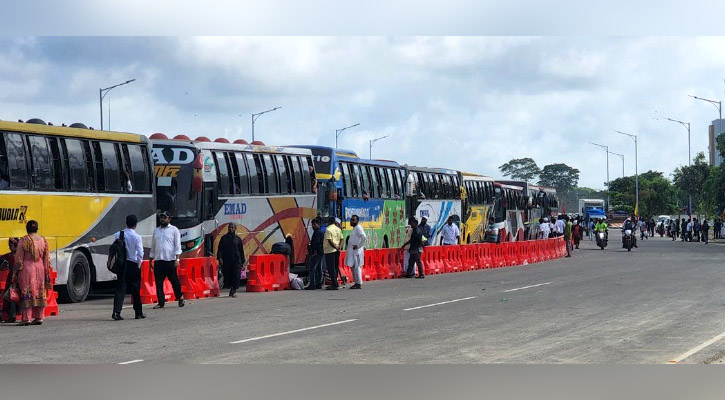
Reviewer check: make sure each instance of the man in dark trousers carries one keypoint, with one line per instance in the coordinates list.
(130, 274)
(315, 254)
(231, 257)
(332, 247)
(166, 250)
(717, 226)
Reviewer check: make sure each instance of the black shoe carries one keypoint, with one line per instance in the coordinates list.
(117, 317)
(318, 287)
(156, 307)
(420, 277)
(181, 301)
(332, 288)
(408, 276)
(356, 286)
(310, 287)
(140, 316)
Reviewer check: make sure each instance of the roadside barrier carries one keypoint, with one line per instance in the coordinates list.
(432, 259)
(186, 271)
(265, 273)
(369, 269)
(148, 286)
(51, 301)
(390, 263)
(469, 257)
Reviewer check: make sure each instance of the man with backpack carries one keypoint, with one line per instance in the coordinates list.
(125, 257)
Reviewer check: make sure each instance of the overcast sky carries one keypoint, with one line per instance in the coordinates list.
(468, 103)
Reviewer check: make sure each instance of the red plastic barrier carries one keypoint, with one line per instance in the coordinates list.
(210, 275)
(344, 269)
(51, 303)
(498, 255)
(485, 255)
(433, 260)
(451, 258)
(370, 268)
(265, 272)
(148, 286)
(470, 257)
(189, 287)
(388, 261)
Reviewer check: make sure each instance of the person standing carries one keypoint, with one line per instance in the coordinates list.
(231, 257)
(705, 231)
(683, 228)
(576, 232)
(7, 262)
(544, 227)
(164, 258)
(332, 247)
(424, 230)
(130, 274)
(415, 245)
(450, 234)
(696, 229)
(717, 225)
(567, 235)
(32, 274)
(315, 255)
(491, 234)
(355, 257)
(406, 252)
(560, 224)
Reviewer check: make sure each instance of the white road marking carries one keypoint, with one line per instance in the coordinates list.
(130, 362)
(698, 348)
(438, 304)
(527, 287)
(294, 331)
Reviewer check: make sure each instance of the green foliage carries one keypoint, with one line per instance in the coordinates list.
(524, 169)
(562, 177)
(657, 195)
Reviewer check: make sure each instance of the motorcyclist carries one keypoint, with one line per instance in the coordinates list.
(601, 226)
(629, 224)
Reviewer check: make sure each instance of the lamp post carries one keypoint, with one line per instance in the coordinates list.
(255, 116)
(102, 93)
(689, 159)
(717, 104)
(636, 172)
(622, 157)
(338, 132)
(606, 149)
(373, 141)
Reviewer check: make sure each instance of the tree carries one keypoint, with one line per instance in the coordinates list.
(690, 180)
(562, 177)
(524, 169)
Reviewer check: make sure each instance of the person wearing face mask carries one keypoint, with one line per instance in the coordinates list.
(355, 257)
(450, 234)
(164, 258)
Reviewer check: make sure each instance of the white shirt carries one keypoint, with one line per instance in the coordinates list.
(166, 243)
(560, 225)
(450, 234)
(545, 230)
(359, 239)
(134, 245)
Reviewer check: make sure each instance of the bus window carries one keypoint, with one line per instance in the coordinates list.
(269, 169)
(76, 165)
(57, 167)
(353, 175)
(385, 193)
(233, 172)
(374, 182)
(41, 163)
(98, 167)
(222, 172)
(17, 168)
(111, 167)
(3, 161)
(393, 187)
(242, 173)
(138, 161)
(90, 170)
(298, 182)
(308, 174)
(285, 183)
(365, 180)
(256, 181)
(447, 182)
(346, 180)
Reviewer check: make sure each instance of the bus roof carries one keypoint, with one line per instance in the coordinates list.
(53, 130)
(431, 170)
(470, 176)
(326, 149)
(357, 160)
(235, 147)
(505, 186)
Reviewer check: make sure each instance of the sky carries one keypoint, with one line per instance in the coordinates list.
(467, 103)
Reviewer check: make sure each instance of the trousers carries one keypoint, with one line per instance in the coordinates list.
(412, 263)
(316, 270)
(332, 260)
(128, 277)
(162, 270)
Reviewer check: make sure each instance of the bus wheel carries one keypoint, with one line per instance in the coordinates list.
(79, 280)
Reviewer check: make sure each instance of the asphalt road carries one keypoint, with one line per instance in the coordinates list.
(658, 303)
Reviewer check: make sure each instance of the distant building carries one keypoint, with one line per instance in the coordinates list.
(717, 127)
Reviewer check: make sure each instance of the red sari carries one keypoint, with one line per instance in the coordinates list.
(32, 263)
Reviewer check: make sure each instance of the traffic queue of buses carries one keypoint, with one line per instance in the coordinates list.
(80, 183)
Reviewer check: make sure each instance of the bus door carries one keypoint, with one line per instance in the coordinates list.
(208, 210)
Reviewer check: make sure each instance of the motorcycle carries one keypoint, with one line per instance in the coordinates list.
(628, 239)
(601, 240)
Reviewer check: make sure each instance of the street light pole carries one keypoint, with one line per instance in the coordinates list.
(606, 149)
(689, 158)
(255, 116)
(622, 157)
(338, 132)
(636, 171)
(373, 141)
(102, 93)
(717, 104)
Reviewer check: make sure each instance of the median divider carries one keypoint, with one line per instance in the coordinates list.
(265, 273)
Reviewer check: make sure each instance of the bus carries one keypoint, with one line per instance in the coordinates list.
(371, 189)
(433, 193)
(509, 211)
(540, 201)
(476, 207)
(79, 184)
(266, 190)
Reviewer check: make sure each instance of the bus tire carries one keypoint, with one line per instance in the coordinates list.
(79, 280)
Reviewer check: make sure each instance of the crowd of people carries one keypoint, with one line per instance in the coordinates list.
(692, 230)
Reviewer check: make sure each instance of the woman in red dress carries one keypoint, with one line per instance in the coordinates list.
(32, 274)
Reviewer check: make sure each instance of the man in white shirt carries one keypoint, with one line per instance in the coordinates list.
(545, 228)
(450, 233)
(130, 274)
(166, 250)
(355, 257)
(560, 225)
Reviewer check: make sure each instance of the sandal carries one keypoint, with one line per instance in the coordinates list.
(37, 322)
(23, 323)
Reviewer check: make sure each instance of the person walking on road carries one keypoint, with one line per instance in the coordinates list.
(576, 233)
(32, 275)
(355, 256)
(315, 255)
(130, 274)
(415, 245)
(450, 234)
(705, 231)
(683, 228)
(164, 259)
(332, 247)
(688, 237)
(717, 225)
(230, 255)
(567, 235)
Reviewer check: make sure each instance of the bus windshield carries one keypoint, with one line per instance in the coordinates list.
(174, 185)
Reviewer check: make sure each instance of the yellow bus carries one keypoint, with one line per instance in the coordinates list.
(477, 206)
(79, 184)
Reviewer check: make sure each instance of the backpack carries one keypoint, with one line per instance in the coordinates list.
(117, 254)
